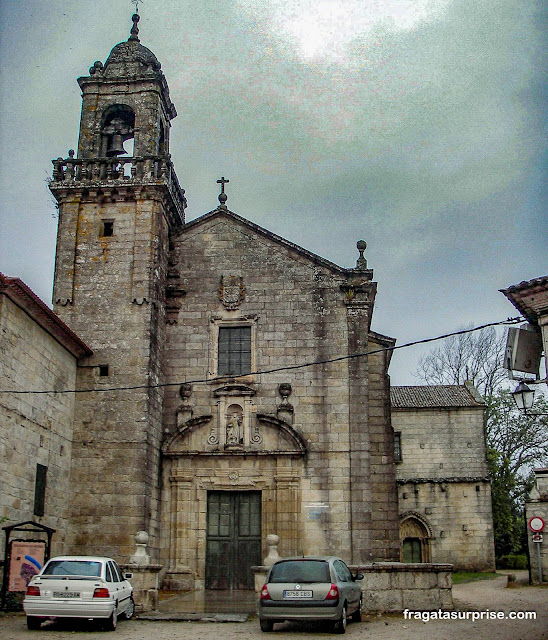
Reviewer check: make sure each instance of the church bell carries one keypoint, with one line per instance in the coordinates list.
(115, 145)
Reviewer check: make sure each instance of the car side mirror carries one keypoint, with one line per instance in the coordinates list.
(358, 576)
(128, 576)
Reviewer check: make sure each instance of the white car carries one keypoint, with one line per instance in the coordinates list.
(87, 587)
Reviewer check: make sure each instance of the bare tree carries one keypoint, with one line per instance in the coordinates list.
(520, 438)
(475, 356)
(516, 442)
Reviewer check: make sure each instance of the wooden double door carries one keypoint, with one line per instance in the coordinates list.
(233, 539)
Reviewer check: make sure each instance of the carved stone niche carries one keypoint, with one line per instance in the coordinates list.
(235, 409)
(234, 420)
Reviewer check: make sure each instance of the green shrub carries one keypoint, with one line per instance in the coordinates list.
(512, 561)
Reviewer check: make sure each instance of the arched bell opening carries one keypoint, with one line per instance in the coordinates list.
(117, 131)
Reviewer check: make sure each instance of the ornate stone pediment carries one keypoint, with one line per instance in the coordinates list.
(232, 433)
(184, 432)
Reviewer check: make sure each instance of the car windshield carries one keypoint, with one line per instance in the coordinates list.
(73, 568)
(300, 571)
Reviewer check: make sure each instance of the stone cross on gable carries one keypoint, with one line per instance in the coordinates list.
(222, 182)
(222, 196)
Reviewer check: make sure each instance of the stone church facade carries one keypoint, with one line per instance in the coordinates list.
(221, 398)
(201, 450)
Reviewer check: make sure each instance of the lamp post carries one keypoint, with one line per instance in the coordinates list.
(523, 397)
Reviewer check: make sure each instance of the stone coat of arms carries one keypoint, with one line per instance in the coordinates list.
(231, 291)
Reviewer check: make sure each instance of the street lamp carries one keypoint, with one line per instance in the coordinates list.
(523, 397)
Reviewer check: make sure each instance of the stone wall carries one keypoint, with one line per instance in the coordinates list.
(116, 286)
(34, 429)
(443, 484)
(458, 520)
(395, 586)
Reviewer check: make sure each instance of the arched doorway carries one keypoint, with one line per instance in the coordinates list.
(415, 536)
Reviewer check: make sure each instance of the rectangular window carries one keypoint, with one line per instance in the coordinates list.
(234, 351)
(40, 490)
(108, 228)
(397, 446)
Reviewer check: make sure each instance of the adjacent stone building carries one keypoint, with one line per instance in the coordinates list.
(443, 485)
(233, 386)
(37, 351)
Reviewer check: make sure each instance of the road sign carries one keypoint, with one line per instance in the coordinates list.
(537, 537)
(536, 524)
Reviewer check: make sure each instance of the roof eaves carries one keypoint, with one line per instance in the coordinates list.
(25, 298)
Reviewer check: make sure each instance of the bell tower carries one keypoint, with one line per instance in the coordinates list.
(119, 201)
(126, 99)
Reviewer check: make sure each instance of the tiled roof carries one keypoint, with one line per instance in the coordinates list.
(530, 297)
(527, 284)
(25, 298)
(426, 396)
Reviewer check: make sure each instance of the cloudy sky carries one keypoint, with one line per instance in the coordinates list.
(416, 125)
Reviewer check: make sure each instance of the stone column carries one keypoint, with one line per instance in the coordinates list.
(287, 506)
(373, 494)
(179, 575)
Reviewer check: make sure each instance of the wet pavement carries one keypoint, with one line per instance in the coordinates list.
(217, 606)
(488, 595)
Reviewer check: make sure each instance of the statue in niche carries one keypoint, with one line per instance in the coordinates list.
(234, 428)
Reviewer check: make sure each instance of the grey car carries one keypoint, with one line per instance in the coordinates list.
(310, 589)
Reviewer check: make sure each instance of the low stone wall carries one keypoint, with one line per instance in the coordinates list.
(395, 586)
(145, 585)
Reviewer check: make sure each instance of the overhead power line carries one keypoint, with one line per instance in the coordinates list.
(508, 321)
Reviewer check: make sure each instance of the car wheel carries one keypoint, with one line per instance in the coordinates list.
(130, 610)
(33, 623)
(357, 615)
(112, 622)
(266, 625)
(340, 625)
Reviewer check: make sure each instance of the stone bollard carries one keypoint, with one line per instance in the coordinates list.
(140, 556)
(272, 540)
(145, 578)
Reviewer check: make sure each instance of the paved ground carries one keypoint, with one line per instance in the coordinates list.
(490, 595)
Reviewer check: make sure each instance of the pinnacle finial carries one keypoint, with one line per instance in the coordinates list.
(361, 263)
(135, 29)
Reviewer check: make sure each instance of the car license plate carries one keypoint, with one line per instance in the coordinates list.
(297, 594)
(66, 594)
